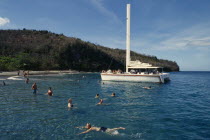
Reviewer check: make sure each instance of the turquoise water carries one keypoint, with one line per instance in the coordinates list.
(179, 109)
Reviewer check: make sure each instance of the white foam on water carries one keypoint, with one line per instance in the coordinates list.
(16, 78)
(137, 135)
(115, 132)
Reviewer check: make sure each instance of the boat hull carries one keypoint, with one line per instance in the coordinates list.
(155, 78)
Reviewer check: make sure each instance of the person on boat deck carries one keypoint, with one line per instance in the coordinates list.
(155, 71)
(34, 87)
(119, 71)
(97, 95)
(100, 102)
(49, 92)
(102, 129)
(70, 104)
(113, 94)
(133, 71)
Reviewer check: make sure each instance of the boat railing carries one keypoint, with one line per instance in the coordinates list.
(112, 71)
(132, 72)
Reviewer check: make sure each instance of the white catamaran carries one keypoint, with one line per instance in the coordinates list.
(135, 70)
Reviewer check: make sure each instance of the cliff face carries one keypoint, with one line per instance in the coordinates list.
(43, 50)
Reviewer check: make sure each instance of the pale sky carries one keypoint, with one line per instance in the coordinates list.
(177, 30)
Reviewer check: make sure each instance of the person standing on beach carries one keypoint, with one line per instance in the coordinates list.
(25, 74)
(34, 87)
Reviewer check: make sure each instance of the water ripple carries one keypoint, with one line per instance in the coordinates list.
(176, 110)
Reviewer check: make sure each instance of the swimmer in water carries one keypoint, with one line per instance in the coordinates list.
(102, 129)
(4, 84)
(147, 87)
(100, 102)
(34, 87)
(70, 103)
(49, 92)
(113, 94)
(97, 95)
(27, 80)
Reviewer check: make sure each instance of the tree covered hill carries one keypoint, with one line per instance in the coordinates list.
(43, 50)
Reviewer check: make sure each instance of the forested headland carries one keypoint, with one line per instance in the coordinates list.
(43, 50)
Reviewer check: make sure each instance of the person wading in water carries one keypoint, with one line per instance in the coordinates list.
(34, 87)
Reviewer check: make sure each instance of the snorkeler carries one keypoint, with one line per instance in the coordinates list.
(100, 102)
(113, 94)
(97, 95)
(49, 92)
(70, 103)
(34, 87)
(147, 87)
(102, 129)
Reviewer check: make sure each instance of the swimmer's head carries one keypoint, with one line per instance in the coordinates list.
(97, 95)
(70, 100)
(113, 94)
(88, 125)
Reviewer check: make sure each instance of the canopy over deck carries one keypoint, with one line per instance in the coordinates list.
(144, 67)
(139, 65)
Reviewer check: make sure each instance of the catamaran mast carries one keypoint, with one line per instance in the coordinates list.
(128, 37)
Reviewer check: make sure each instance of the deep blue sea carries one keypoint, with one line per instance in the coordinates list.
(179, 109)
